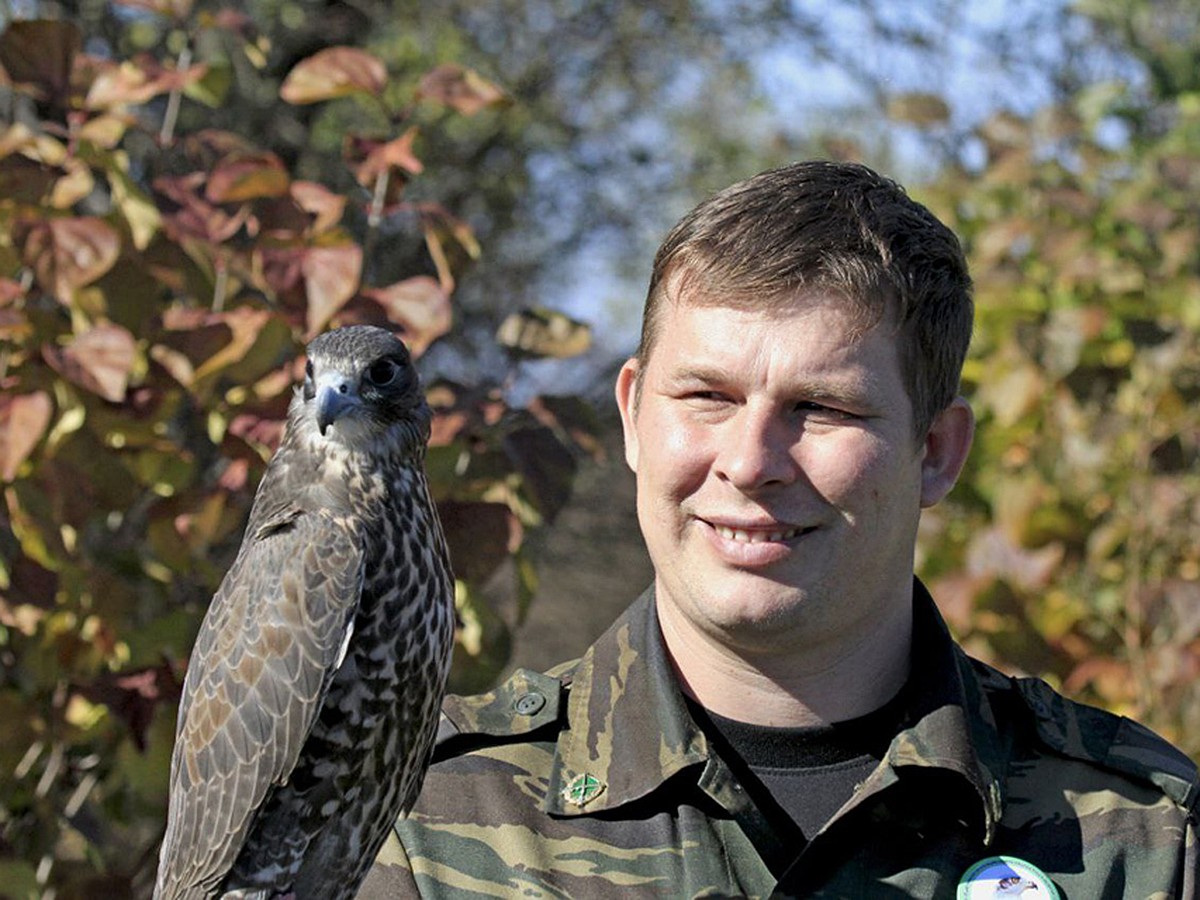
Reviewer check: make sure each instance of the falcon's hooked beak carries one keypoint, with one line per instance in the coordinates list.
(336, 396)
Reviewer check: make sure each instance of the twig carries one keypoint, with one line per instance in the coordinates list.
(167, 134)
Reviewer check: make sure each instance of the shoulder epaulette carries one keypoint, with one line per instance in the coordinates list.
(1113, 742)
(527, 701)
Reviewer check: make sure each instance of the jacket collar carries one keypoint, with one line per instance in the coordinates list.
(628, 731)
(627, 726)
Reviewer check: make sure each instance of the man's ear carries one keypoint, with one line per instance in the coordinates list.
(945, 452)
(626, 390)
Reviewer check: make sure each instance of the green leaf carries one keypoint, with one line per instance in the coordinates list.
(213, 88)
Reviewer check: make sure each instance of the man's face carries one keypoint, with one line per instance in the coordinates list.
(779, 481)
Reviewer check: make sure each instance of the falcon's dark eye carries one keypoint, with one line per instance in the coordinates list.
(308, 370)
(382, 373)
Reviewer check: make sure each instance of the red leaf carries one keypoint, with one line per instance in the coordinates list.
(24, 418)
(39, 55)
(323, 204)
(66, 254)
(253, 429)
(461, 89)
(247, 178)
(194, 216)
(134, 696)
(331, 277)
(99, 360)
(419, 306)
(171, 9)
(283, 267)
(14, 324)
(334, 72)
(378, 157)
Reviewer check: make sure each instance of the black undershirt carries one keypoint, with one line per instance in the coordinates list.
(800, 777)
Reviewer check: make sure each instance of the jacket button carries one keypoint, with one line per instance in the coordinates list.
(529, 704)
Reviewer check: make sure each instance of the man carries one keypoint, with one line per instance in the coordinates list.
(784, 712)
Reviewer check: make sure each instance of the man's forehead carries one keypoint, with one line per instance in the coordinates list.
(683, 292)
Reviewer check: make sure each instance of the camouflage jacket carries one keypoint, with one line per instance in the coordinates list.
(593, 781)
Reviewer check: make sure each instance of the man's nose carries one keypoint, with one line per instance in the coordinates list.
(756, 451)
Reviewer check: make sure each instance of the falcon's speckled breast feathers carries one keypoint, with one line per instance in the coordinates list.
(312, 695)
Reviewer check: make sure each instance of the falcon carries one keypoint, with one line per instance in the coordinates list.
(312, 695)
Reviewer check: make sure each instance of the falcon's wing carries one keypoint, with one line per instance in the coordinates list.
(271, 641)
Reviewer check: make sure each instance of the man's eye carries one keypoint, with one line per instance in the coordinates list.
(809, 407)
(707, 396)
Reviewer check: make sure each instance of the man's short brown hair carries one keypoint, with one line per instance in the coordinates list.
(839, 230)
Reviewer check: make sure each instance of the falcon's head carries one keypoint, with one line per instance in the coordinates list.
(360, 388)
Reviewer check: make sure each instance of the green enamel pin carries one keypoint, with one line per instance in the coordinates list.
(583, 789)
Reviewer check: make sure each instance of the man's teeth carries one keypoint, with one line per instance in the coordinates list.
(756, 537)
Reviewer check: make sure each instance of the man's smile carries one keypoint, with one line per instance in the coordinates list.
(760, 534)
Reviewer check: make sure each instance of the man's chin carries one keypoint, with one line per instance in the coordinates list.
(753, 621)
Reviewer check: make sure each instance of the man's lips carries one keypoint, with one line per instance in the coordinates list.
(776, 533)
(753, 546)
(756, 532)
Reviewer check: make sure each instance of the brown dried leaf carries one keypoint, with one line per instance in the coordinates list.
(334, 72)
(480, 536)
(462, 89)
(66, 254)
(450, 241)
(544, 332)
(133, 82)
(245, 325)
(570, 417)
(24, 418)
(99, 360)
(24, 180)
(546, 467)
(918, 108)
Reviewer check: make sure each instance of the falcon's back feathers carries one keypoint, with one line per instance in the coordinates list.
(312, 695)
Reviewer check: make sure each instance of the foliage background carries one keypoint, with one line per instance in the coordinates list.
(187, 192)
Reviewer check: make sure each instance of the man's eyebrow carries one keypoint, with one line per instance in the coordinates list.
(707, 374)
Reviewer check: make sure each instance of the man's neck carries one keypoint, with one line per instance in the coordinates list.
(819, 682)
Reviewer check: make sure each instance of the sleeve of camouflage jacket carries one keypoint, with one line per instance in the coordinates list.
(391, 877)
